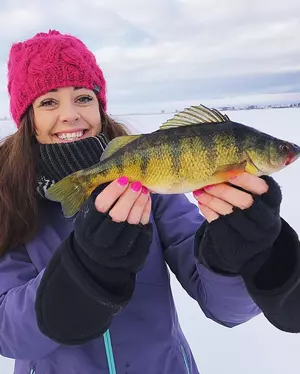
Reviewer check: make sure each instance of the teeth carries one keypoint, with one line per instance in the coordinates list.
(70, 136)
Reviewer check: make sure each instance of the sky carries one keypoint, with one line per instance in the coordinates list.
(160, 53)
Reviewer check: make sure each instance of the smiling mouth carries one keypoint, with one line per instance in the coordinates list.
(71, 136)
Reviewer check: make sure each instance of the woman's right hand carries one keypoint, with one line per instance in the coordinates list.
(125, 202)
(113, 227)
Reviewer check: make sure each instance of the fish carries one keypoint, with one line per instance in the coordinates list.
(199, 146)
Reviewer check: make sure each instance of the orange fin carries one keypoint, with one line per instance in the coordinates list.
(226, 172)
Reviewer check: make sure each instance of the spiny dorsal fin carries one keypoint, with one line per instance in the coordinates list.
(117, 143)
(194, 115)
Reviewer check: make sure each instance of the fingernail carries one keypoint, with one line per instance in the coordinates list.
(198, 192)
(234, 177)
(144, 190)
(136, 186)
(123, 181)
(209, 187)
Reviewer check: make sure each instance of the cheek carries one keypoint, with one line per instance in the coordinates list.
(43, 137)
(93, 119)
(43, 126)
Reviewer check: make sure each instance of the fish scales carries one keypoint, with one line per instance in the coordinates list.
(197, 147)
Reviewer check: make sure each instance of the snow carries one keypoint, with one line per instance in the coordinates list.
(257, 346)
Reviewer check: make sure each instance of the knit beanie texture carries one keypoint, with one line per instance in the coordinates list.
(49, 61)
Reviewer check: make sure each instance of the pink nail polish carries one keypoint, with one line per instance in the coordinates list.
(198, 192)
(209, 187)
(136, 186)
(123, 181)
(144, 190)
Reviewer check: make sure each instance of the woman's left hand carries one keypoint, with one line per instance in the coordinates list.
(242, 220)
(220, 199)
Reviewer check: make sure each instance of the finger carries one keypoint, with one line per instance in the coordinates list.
(231, 195)
(219, 206)
(121, 210)
(146, 213)
(105, 200)
(250, 183)
(136, 212)
(208, 213)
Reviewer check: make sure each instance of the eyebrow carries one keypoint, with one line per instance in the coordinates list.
(75, 88)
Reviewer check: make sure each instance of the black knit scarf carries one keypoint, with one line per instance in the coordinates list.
(56, 161)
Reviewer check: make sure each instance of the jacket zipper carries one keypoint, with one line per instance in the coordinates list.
(109, 353)
(185, 359)
(112, 369)
(32, 368)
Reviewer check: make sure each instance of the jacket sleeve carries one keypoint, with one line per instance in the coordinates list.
(274, 283)
(224, 299)
(20, 337)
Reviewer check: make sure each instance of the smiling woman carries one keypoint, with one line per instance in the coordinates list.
(93, 292)
(66, 114)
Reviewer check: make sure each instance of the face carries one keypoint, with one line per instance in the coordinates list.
(65, 115)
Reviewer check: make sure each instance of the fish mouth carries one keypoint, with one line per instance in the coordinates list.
(293, 154)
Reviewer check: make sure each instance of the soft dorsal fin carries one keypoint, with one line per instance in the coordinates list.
(194, 115)
(117, 143)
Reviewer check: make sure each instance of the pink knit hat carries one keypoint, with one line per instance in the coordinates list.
(48, 61)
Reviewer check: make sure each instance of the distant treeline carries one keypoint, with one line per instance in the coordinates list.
(221, 108)
(269, 106)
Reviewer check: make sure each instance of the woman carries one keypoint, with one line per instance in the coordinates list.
(92, 295)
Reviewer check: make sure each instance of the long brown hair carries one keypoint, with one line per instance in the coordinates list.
(18, 197)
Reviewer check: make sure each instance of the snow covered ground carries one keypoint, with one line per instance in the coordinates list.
(256, 347)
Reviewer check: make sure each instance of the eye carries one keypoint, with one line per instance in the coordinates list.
(84, 99)
(47, 102)
(285, 148)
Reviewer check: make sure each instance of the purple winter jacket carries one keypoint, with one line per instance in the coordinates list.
(143, 338)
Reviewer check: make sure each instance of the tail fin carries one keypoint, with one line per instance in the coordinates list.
(70, 193)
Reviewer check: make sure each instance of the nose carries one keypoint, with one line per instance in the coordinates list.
(69, 113)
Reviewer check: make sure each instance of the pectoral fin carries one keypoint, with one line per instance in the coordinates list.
(226, 172)
(250, 167)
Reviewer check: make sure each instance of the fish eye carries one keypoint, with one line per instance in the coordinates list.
(284, 147)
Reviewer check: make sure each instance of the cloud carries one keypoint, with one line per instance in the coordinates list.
(171, 49)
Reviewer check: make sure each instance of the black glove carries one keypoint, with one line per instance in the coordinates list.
(91, 276)
(115, 245)
(259, 245)
(228, 243)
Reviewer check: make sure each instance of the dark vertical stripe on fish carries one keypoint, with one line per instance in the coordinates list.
(211, 144)
(176, 152)
(144, 162)
(120, 164)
